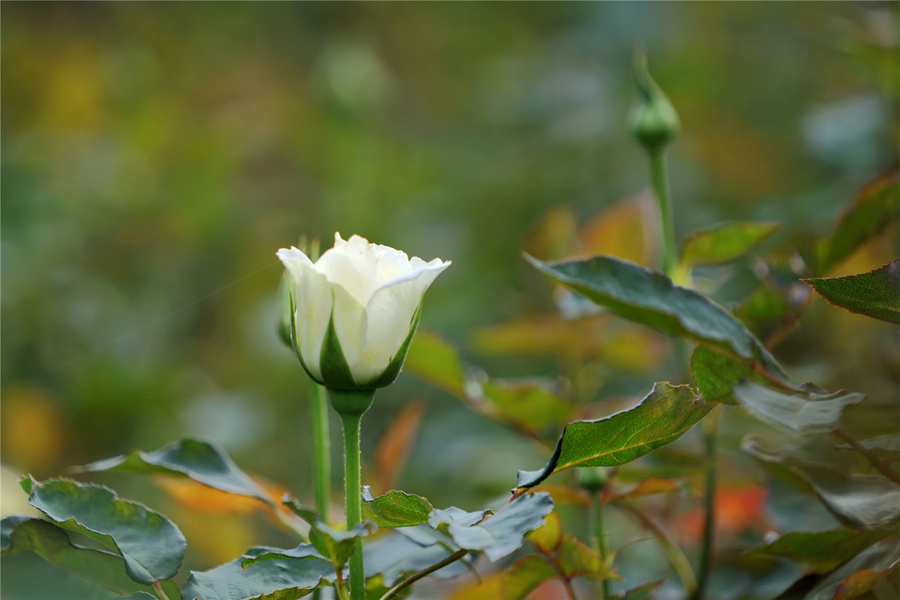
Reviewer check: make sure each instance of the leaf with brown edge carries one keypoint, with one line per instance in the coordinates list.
(874, 294)
(548, 536)
(395, 443)
(525, 576)
(875, 208)
(579, 560)
(651, 486)
(663, 416)
(859, 574)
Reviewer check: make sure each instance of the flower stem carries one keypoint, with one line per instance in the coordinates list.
(710, 425)
(321, 449)
(660, 181)
(606, 584)
(351, 406)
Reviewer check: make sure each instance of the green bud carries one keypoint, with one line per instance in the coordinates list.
(592, 478)
(654, 121)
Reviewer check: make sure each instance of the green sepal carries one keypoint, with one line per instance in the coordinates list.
(285, 312)
(396, 365)
(336, 373)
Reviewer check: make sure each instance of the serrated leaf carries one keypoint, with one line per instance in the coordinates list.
(806, 411)
(151, 545)
(883, 445)
(663, 416)
(397, 554)
(650, 298)
(202, 461)
(859, 574)
(525, 575)
(548, 536)
(27, 534)
(277, 579)
(834, 546)
(641, 592)
(326, 544)
(724, 242)
(876, 207)
(716, 374)
(496, 535)
(579, 560)
(396, 509)
(875, 294)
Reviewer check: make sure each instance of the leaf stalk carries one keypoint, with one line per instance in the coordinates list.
(424, 573)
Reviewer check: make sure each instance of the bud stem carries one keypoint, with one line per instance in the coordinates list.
(351, 406)
(660, 181)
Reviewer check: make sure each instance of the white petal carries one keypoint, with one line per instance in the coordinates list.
(317, 299)
(352, 264)
(390, 312)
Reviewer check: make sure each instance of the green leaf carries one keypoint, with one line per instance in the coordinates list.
(716, 374)
(578, 560)
(860, 574)
(396, 509)
(834, 546)
(27, 534)
(641, 592)
(202, 461)
(495, 535)
(883, 445)
(650, 298)
(403, 552)
(875, 294)
(326, 544)
(434, 360)
(808, 410)
(277, 579)
(876, 207)
(525, 575)
(724, 242)
(151, 545)
(663, 416)
(530, 404)
(136, 596)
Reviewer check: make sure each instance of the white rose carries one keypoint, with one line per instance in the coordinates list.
(356, 310)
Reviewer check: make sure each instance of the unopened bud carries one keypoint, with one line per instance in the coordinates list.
(593, 479)
(654, 121)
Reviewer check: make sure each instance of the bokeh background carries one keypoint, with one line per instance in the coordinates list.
(155, 156)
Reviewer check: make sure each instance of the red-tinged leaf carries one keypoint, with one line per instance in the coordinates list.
(525, 575)
(875, 294)
(860, 574)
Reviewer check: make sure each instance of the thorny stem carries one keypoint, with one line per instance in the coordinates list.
(424, 572)
(876, 462)
(673, 553)
(710, 425)
(159, 590)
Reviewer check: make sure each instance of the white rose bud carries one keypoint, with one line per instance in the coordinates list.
(355, 311)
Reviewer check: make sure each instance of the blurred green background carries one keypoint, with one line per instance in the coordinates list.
(155, 156)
